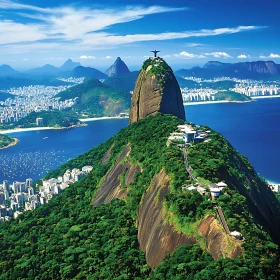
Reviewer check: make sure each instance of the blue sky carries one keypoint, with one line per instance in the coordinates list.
(188, 33)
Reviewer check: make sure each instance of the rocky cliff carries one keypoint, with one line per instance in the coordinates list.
(156, 91)
(156, 236)
(118, 68)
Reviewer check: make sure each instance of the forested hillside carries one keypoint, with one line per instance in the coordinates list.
(97, 99)
(77, 237)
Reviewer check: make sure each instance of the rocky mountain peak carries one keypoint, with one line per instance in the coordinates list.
(214, 64)
(262, 67)
(156, 91)
(69, 65)
(118, 68)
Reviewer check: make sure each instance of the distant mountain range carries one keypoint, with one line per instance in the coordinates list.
(87, 72)
(118, 73)
(50, 70)
(244, 70)
(117, 69)
(7, 70)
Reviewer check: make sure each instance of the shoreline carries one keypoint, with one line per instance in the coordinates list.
(101, 118)
(11, 144)
(264, 96)
(17, 130)
(271, 182)
(205, 102)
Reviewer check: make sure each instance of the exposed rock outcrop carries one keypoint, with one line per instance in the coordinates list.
(155, 236)
(156, 90)
(111, 187)
(218, 243)
(107, 155)
(118, 68)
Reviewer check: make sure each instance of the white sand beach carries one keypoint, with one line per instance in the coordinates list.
(205, 102)
(24, 129)
(266, 96)
(100, 118)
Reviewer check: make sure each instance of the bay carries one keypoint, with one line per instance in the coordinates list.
(252, 128)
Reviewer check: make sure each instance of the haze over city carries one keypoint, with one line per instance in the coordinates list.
(188, 33)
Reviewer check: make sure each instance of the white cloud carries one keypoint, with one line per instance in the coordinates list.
(243, 56)
(87, 57)
(272, 55)
(218, 54)
(191, 45)
(71, 28)
(108, 57)
(188, 55)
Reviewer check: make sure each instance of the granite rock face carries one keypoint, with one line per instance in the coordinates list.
(157, 237)
(118, 68)
(156, 91)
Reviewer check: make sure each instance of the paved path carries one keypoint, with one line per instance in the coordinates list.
(187, 165)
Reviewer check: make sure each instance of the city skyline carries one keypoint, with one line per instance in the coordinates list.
(187, 33)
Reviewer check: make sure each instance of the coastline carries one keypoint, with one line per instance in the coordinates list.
(16, 130)
(101, 118)
(25, 129)
(11, 144)
(271, 182)
(205, 102)
(265, 96)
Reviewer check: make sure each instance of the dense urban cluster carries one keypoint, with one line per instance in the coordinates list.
(215, 80)
(21, 196)
(196, 95)
(35, 98)
(251, 88)
(75, 81)
(254, 89)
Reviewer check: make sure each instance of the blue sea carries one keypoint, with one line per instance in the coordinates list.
(252, 128)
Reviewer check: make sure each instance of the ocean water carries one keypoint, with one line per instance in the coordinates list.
(41, 151)
(252, 128)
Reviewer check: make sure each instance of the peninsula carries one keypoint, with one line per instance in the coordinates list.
(7, 141)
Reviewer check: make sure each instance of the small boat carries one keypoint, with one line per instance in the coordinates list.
(45, 138)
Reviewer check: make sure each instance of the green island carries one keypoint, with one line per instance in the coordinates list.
(6, 141)
(86, 233)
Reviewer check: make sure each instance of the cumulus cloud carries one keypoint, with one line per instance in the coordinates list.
(188, 55)
(87, 57)
(218, 54)
(272, 55)
(243, 56)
